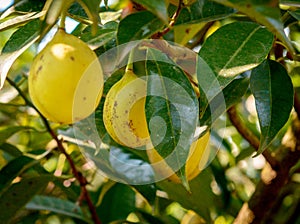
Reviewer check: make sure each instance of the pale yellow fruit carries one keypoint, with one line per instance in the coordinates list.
(66, 79)
(196, 162)
(192, 218)
(124, 111)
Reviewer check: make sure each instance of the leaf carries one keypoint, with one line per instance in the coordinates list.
(117, 203)
(11, 149)
(171, 110)
(6, 132)
(138, 26)
(14, 199)
(19, 20)
(91, 7)
(265, 12)
(200, 198)
(19, 42)
(157, 7)
(227, 53)
(15, 167)
(231, 94)
(273, 92)
(202, 11)
(58, 206)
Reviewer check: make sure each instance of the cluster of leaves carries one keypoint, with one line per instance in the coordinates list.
(248, 51)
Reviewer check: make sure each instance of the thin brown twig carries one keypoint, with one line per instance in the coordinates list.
(79, 177)
(249, 135)
(159, 34)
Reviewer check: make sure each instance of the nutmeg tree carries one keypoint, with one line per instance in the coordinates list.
(156, 111)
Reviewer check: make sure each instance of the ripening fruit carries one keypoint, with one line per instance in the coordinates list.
(197, 159)
(66, 79)
(124, 111)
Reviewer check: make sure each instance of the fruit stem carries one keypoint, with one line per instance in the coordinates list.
(129, 66)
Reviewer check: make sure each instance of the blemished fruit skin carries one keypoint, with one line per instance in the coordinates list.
(196, 162)
(124, 111)
(66, 79)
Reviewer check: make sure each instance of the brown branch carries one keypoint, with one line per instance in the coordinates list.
(264, 198)
(159, 34)
(239, 124)
(79, 177)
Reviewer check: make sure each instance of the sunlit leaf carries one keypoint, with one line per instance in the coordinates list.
(265, 12)
(19, 42)
(231, 50)
(273, 92)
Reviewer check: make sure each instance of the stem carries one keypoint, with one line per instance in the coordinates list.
(80, 178)
(171, 24)
(248, 135)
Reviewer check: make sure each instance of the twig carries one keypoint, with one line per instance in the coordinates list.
(171, 24)
(248, 135)
(80, 178)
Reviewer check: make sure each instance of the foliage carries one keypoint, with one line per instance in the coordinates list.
(232, 67)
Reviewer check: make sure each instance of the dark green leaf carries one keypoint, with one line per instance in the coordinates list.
(11, 149)
(265, 12)
(202, 11)
(157, 7)
(57, 205)
(231, 94)
(117, 203)
(171, 109)
(273, 92)
(295, 14)
(148, 191)
(227, 53)
(13, 169)
(20, 41)
(15, 198)
(30, 5)
(138, 26)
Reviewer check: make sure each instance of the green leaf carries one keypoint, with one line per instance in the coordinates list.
(13, 169)
(58, 206)
(157, 7)
(265, 12)
(273, 91)
(6, 132)
(91, 8)
(19, 42)
(171, 110)
(15, 198)
(11, 149)
(19, 20)
(201, 199)
(202, 11)
(117, 203)
(103, 35)
(231, 94)
(227, 53)
(138, 26)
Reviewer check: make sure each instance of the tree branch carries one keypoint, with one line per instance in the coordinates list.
(248, 135)
(264, 198)
(79, 177)
(171, 24)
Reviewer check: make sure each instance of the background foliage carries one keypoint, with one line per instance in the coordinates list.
(251, 48)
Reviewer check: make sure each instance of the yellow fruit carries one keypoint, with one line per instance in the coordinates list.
(66, 79)
(197, 159)
(124, 111)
